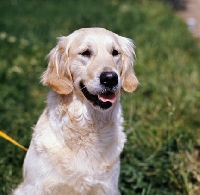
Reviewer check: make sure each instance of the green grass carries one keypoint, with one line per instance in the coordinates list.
(162, 118)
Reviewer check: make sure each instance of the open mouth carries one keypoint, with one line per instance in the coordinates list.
(103, 100)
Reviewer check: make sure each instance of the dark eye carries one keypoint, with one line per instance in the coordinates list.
(86, 53)
(115, 52)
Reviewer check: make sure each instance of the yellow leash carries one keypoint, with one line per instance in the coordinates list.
(2, 134)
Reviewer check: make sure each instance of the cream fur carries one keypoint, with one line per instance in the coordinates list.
(75, 146)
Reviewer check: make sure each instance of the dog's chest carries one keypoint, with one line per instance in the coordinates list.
(79, 148)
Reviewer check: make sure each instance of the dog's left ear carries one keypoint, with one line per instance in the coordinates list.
(129, 80)
(57, 76)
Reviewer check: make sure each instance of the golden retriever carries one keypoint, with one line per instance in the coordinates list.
(78, 139)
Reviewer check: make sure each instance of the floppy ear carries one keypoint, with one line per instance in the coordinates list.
(129, 80)
(57, 76)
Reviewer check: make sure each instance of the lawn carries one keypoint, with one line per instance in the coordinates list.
(162, 118)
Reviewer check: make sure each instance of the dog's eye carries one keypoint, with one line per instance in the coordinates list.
(115, 52)
(86, 53)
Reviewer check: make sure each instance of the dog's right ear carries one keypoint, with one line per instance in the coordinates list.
(58, 76)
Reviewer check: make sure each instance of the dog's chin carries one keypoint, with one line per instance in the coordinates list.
(103, 100)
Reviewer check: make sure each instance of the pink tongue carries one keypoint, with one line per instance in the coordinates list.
(109, 97)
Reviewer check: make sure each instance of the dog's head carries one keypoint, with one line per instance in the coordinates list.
(94, 63)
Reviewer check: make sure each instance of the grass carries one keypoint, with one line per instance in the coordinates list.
(161, 118)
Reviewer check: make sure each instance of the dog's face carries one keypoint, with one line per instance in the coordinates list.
(94, 63)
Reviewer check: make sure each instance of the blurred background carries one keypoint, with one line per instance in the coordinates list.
(162, 118)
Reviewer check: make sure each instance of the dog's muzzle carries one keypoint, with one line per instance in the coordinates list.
(107, 96)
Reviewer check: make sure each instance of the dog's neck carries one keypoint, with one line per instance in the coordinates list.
(76, 115)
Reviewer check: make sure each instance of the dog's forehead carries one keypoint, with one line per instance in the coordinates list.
(94, 35)
(94, 32)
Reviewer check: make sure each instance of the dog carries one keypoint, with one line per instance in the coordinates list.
(77, 141)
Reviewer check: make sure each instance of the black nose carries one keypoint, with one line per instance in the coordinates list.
(109, 79)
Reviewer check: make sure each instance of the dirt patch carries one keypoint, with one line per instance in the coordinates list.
(191, 15)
